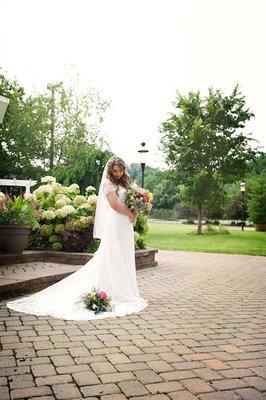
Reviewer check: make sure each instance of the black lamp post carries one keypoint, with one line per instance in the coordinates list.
(143, 152)
(242, 188)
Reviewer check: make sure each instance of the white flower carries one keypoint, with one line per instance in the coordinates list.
(48, 179)
(29, 196)
(2, 195)
(90, 189)
(64, 211)
(79, 200)
(73, 188)
(134, 185)
(60, 203)
(56, 187)
(86, 206)
(92, 199)
(42, 189)
(61, 196)
(49, 214)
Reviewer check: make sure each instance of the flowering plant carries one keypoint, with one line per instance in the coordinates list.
(138, 199)
(97, 301)
(17, 211)
(65, 216)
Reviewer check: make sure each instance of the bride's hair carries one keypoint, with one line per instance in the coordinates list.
(124, 180)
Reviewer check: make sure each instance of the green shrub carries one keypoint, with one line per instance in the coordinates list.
(211, 230)
(257, 199)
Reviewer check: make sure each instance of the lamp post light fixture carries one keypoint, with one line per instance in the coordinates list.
(52, 87)
(143, 153)
(3, 106)
(242, 188)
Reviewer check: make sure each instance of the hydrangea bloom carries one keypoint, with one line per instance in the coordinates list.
(84, 222)
(47, 229)
(48, 179)
(59, 228)
(42, 189)
(57, 246)
(92, 199)
(48, 214)
(90, 189)
(86, 206)
(73, 188)
(79, 200)
(64, 211)
(60, 203)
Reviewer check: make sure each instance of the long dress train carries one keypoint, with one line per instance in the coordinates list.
(112, 269)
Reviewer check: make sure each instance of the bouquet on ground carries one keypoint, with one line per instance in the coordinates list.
(97, 301)
(138, 200)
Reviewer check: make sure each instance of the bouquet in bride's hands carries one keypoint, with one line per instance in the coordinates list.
(97, 301)
(138, 200)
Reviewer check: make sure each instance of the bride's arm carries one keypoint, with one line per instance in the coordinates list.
(109, 190)
(120, 208)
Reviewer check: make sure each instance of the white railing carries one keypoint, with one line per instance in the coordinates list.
(18, 182)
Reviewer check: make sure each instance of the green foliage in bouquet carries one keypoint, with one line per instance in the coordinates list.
(141, 224)
(65, 216)
(139, 241)
(97, 301)
(139, 200)
(17, 211)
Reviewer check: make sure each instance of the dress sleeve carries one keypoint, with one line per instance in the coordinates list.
(109, 187)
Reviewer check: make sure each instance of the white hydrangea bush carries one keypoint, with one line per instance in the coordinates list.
(64, 214)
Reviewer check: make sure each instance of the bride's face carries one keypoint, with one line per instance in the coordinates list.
(117, 171)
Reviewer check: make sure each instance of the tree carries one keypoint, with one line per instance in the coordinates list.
(233, 206)
(257, 199)
(205, 143)
(83, 164)
(258, 164)
(15, 135)
(26, 145)
(165, 190)
(75, 118)
(134, 170)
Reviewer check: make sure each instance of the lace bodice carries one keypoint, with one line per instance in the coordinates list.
(121, 194)
(120, 190)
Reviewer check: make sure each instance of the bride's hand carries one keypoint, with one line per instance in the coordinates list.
(132, 217)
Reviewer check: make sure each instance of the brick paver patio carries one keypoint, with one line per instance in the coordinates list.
(202, 337)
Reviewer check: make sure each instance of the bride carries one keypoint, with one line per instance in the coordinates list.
(112, 268)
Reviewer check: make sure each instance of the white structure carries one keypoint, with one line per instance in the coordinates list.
(18, 182)
(3, 106)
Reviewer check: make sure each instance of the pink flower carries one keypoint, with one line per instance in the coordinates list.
(141, 190)
(102, 295)
(145, 198)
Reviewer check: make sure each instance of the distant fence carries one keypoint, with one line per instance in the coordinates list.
(173, 215)
(167, 215)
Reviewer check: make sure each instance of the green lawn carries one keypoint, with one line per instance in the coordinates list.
(171, 236)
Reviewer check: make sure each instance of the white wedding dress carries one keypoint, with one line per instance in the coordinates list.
(112, 269)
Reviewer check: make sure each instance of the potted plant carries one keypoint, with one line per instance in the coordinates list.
(17, 217)
(257, 202)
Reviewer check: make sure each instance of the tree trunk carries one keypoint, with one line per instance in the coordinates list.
(199, 219)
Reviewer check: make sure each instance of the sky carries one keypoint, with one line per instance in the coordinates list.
(138, 53)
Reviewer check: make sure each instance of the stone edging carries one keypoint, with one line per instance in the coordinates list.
(144, 258)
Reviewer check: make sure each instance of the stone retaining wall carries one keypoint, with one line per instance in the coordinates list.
(144, 258)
